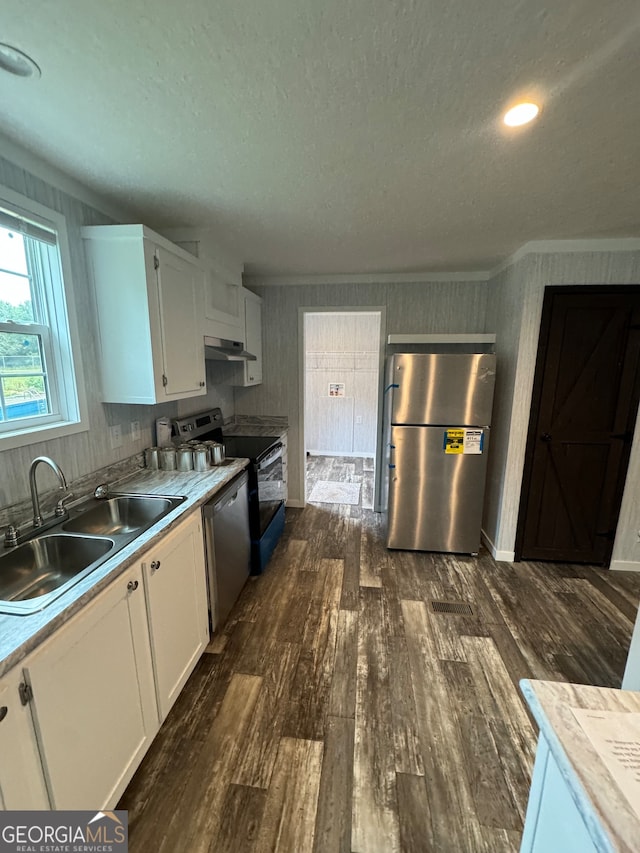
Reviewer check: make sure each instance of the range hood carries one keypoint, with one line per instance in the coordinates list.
(220, 349)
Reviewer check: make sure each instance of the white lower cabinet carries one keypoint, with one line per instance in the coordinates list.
(93, 698)
(176, 592)
(102, 683)
(22, 783)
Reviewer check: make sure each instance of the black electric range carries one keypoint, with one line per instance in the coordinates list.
(266, 477)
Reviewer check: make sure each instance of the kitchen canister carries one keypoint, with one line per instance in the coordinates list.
(184, 458)
(168, 458)
(217, 453)
(152, 458)
(200, 457)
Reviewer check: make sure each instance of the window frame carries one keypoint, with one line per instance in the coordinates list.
(65, 369)
(43, 332)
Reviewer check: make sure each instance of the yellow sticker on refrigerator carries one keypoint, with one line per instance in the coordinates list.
(466, 441)
(454, 441)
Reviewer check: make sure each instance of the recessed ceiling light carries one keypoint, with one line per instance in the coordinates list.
(521, 114)
(16, 62)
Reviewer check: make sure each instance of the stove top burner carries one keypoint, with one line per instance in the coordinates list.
(248, 446)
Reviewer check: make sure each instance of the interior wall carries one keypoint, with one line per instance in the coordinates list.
(426, 307)
(514, 312)
(341, 349)
(84, 452)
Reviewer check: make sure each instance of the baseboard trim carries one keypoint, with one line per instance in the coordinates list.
(296, 504)
(499, 556)
(624, 566)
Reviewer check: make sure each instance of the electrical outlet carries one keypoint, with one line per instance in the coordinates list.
(115, 433)
(135, 430)
(358, 419)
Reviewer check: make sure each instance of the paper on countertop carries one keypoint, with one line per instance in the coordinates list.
(615, 735)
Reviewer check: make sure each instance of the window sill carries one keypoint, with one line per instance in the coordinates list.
(47, 432)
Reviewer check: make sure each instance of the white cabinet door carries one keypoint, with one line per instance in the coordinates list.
(149, 296)
(93, 698)
(179, 293)
(21, 781)
(250, 372)
(223, 307)
(176, 592)
(253, 343)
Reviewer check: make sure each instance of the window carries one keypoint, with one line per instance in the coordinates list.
(37, 377)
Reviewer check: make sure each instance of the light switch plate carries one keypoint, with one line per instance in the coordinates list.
(135, 430)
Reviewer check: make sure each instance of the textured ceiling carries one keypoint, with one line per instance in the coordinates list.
(334, 136)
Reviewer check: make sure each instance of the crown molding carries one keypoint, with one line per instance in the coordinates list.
(552, 247)
(365, 278)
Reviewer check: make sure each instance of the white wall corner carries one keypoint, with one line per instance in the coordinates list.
(624, 566)
(499, 556)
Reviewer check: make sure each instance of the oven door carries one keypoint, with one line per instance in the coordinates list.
(270, 477)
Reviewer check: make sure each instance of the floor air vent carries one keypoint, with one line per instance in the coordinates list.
(452, 607)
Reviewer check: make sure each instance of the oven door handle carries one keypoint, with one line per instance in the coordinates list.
(274, 451)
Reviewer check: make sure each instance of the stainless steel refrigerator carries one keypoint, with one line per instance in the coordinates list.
(438, 416)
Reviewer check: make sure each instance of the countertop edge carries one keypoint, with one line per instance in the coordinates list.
(46, 622)
(603, 834)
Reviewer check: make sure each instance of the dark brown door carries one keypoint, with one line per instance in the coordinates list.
(584, 406)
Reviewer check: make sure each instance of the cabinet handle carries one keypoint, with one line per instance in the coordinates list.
(3, 712)
(155, 565)
(202, 384)
(132, 585)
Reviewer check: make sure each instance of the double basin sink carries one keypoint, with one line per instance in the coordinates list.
(34, 574)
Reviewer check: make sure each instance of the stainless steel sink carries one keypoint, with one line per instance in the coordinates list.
(34, 574)
(121, 515)
(37, 572)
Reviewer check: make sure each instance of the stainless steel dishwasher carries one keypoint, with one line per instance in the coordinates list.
(228, 547)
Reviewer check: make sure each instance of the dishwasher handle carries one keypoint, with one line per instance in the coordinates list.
(228, 501)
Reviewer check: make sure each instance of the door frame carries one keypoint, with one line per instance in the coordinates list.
(302, 384)
(550, 291)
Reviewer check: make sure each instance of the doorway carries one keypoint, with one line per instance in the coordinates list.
(583, 411)
(341, 375)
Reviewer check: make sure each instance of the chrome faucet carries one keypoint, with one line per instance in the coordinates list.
(35, 500)
(16, 535)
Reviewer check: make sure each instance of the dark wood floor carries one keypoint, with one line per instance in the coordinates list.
(338, 712)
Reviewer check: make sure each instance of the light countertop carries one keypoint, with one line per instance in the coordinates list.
(19, 635)
(606, 812)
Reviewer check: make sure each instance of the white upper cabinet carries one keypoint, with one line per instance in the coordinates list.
(149, 297)
(251, 370)
(223, 306)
